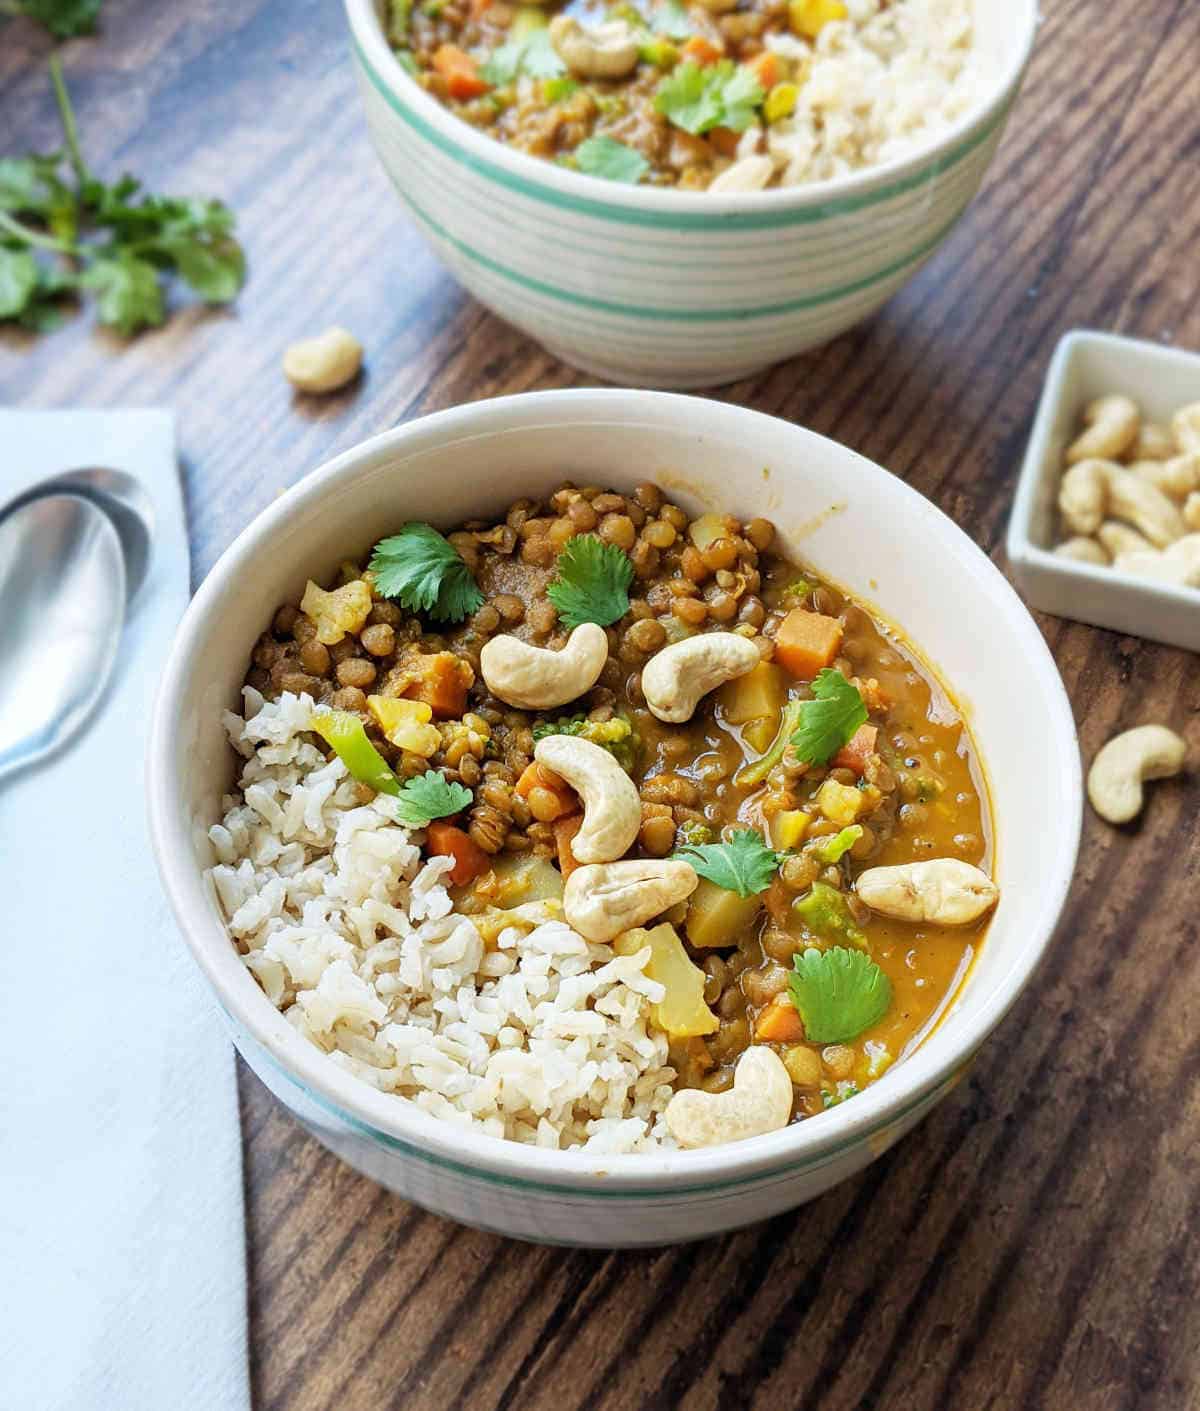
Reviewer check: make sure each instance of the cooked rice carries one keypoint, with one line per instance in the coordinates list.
(882, 83)
(544, 1038)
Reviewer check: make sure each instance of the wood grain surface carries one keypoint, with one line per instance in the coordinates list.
(1034, 1242)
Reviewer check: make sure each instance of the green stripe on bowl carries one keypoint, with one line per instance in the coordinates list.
(634, 215)
(639, 311)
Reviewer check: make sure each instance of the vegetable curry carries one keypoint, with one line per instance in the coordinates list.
(823, 792)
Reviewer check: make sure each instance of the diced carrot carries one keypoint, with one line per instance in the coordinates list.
(702, 51)
(857, 750)
(445, 840)
(459, 70)
(564, 830)
(779, 1023)
(765, 68)
(537, 776)
(440, 680)
(807, 642)
(725, 141)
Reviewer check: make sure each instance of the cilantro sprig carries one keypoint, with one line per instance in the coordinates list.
(592, 582)
(744, 864)
(606, 157)
(828, 721)
(838, 993)
(430, 796)
(422, 570)
(719, 95)
(65, 19)
(63, 230)
(529, 52)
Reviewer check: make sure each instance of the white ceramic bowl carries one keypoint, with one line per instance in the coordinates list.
(845, 516)
(1085, 366)
(664, 288)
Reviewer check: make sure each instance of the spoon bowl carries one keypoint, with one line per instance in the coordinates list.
(62, 609)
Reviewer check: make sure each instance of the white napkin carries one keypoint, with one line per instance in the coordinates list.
(122, 1251)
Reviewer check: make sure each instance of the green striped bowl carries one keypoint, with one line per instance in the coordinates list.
(667, 288)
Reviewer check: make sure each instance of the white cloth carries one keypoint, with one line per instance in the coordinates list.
(122, 1250)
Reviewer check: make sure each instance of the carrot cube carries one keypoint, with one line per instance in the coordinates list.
(807, 642)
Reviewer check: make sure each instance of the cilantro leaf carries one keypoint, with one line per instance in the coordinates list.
(423, 570)
(128, 294)
(606, 157)
(215, 269)
(530, 53)
(18, 281)
(63, 18)
(430, 796)
(592, 582)
(699, 99)
(744, 864)
(829, 720)
(838, 993)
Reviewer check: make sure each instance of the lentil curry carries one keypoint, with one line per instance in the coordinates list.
(823, 758)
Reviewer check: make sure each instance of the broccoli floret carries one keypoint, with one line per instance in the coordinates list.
(617, 735)
(825, 912)
(695, 835)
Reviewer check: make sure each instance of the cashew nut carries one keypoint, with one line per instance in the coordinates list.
(608, 50)
(674, 679)
(607, 898)
(945, 891)
(1185, 426)
(1112, 426)
(1115, 779)
(1177, 477)
(533, 678)
(1083, 550)
(760, 1101)
(324, 363)
(750, 174)
(1118, 538)
(1092, 488)
(612, 811)
(1191, 510)
(1178, 565)
(1152, 443)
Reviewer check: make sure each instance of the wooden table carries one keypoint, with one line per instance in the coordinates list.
(1033, 1244)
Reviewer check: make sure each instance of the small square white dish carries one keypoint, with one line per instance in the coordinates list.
(1087, 365)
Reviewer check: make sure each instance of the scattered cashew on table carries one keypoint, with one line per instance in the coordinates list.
(1121, 768)
(324, 363)
(1130, 493)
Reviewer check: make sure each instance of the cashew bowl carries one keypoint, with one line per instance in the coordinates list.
(854, 525)
(660, 287)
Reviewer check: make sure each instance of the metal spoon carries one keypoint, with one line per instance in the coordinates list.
(122, 498)
(62, 608)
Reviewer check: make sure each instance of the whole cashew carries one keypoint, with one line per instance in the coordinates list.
(1115, 779)
(1176, 477)
(1082, 550)
(1178, 565)
(608, 50)
(1152, 443)
(1185, 427)
(1118, 538)
(760, 1101)
(324, 363)
(1092, 488)
(944, 890)
(1112, 426)
(606, 898)
(750, 174)
(612, 811)
(674, 679)
(1191, 510)
(533, 678)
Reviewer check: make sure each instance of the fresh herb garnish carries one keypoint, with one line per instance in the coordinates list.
(592, 582)
(430, 796)
(63, 230)
(829, 720)
(838, 993)
(530, 53)
(606, 157)
(699, 99)
(422, 570)
(744, 864)
(65, 19)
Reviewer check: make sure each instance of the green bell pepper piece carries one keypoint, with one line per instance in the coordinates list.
(344, 731)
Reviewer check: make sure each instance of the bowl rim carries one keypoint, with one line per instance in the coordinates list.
(666, 207)
(401, 1125)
